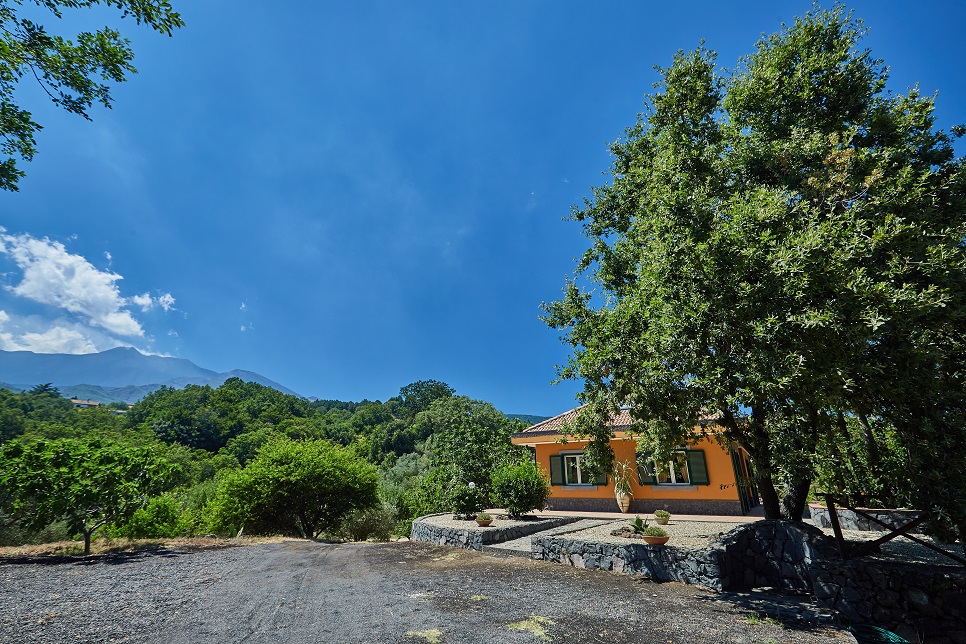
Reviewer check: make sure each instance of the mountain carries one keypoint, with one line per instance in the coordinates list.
(117, 375)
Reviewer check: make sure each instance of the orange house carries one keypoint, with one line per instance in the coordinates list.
(704, 478)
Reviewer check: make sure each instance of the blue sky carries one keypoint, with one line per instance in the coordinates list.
(347, 197)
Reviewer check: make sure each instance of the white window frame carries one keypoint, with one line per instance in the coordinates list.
(578, 457)
(668, 467)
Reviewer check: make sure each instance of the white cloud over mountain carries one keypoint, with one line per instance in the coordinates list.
(53, 276)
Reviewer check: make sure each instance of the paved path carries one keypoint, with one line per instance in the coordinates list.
(756, 514)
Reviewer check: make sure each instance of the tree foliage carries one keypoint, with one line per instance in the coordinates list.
(87, 482)
(297, 488)
(781, 247)
(73, 72)
(520, 487)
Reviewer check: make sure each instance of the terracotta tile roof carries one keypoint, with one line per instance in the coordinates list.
(555, 425)
(619, 422)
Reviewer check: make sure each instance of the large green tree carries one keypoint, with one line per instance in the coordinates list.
(74, 73)
(87, 482)
(781, 247)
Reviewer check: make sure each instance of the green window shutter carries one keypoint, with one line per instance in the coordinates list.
(645, 469)
(556, 470)
(697, 467)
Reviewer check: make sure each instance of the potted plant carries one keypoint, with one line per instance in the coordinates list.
(622, 485)
(655, 536)
(652, 535)
(662, 516)
(483, 519)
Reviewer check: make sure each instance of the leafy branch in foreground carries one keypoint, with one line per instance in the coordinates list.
(73, 73)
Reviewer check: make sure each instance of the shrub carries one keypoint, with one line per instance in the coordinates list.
(431, 494)
(371, 523)
(466, 501)
(160, 517)
(520, 488)
(298, 488)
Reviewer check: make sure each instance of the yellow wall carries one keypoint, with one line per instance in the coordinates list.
(720, 473)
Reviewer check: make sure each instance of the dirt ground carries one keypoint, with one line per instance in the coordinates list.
(300, 591)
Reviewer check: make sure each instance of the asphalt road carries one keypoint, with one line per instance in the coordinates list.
(300, 591)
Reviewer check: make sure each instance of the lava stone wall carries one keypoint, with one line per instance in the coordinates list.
(766, 553)
(921, 603)
(475, 537)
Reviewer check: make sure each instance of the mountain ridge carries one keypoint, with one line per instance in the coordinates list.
(122, 374)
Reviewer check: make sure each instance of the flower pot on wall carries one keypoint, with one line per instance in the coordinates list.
(655, 541)
(484, 523)
(624, 501)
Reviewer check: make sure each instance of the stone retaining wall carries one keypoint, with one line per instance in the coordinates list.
(475, 537)
(768, 553)
(658, 562)
(921, 603)
(849, 520)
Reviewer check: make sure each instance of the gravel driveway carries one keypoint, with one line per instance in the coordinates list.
(299, 591)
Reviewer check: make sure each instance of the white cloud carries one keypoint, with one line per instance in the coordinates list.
(243, 306)
(144, 301)
(243, 328)
(107, 254)
(53, 276)
(172, 333)
(55, 339)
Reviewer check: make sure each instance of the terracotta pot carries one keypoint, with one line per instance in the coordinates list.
(482, 523)
(655, 541)
(624, 501)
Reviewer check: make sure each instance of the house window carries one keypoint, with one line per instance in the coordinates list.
(686, 467)
(568, 469)
(574, 474)
(674, 472)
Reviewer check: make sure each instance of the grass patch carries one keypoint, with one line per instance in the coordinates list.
(754, 620)
(478, 598)
(433, 635)
(535, 626)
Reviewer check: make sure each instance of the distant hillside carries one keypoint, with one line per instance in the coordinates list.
(117, 375)
(528, 418)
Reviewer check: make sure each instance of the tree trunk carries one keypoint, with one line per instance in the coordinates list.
(796, 496)
(766, 488)
(87, 542)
